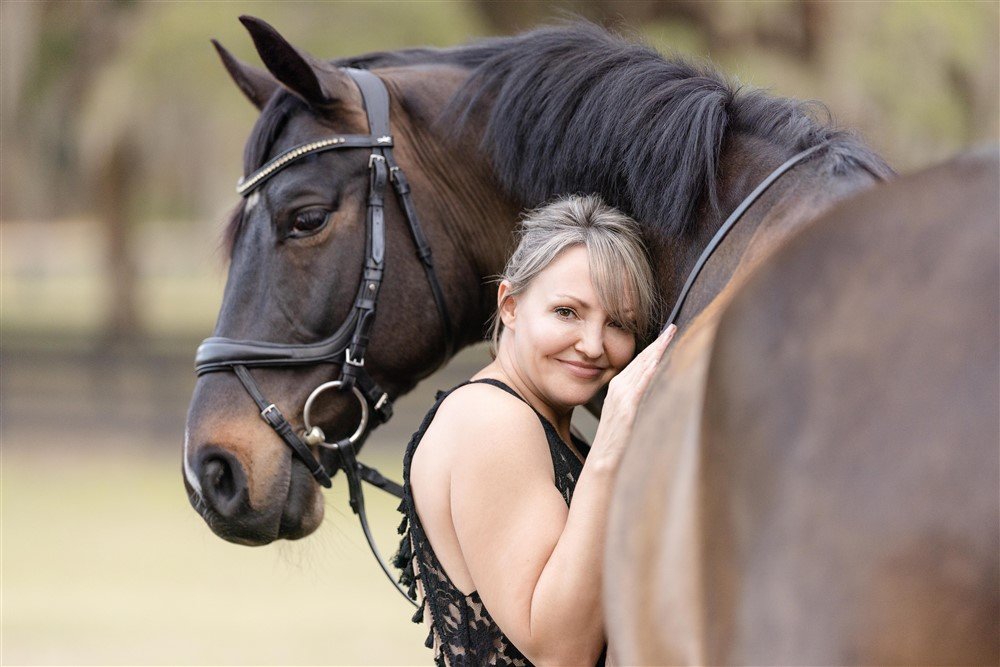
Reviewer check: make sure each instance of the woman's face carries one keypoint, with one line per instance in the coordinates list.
(563, 342)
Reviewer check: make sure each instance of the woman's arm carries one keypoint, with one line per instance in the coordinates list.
(536, 564)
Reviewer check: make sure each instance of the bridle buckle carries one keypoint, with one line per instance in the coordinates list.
(353, 362)
(266, 414)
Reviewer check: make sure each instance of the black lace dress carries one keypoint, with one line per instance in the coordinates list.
(462, 631)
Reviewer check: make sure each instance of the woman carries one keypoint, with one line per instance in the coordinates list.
(510, 568)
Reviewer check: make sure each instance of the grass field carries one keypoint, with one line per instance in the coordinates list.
(104, 562)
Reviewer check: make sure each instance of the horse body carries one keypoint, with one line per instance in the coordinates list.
(815, 458)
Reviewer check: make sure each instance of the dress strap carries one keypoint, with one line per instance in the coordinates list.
(499, 384)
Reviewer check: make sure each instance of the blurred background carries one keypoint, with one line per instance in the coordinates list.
(120, 140)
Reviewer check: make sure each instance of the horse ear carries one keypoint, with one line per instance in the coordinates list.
(255, 83)
(298, 71)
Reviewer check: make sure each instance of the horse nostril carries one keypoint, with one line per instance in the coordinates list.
(220, 477)
(223, 483)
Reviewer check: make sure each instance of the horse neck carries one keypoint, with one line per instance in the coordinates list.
(798, 197)
(454, 185)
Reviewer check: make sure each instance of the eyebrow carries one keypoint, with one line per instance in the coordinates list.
(572, 298)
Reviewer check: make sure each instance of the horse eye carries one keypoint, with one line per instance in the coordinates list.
(309, 222)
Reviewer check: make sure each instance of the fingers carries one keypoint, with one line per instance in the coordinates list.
(666, 337)
(656, 353)
(639, 371)
(655, 349)
(628, 387)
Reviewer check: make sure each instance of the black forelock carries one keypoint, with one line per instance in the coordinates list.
(272, 120)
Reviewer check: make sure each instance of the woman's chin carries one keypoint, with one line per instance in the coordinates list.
(580, 394)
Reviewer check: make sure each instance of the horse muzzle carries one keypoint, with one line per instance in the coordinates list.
(239, 477)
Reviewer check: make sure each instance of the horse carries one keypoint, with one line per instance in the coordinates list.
(483, 131)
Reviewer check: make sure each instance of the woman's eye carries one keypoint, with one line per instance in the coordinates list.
(564, 312)
(309, 222)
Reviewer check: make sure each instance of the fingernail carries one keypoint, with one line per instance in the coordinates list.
(672, 329)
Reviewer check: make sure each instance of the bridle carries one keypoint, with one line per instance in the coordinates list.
(349, 342)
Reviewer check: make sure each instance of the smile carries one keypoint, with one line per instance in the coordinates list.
(583, 371)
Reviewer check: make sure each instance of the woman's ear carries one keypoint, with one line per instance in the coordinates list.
(506, 304)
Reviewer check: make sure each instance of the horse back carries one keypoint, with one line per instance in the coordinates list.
(817, 462)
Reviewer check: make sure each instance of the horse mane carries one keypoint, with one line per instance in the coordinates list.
(575, 109)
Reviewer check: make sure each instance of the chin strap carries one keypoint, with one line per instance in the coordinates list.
(339, 455)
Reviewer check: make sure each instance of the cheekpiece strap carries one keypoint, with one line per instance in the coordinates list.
(402, 187)
(375, 98)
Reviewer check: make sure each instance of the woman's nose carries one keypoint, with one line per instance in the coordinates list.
(591, 341)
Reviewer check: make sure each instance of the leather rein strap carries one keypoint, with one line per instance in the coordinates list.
(730, 222)
(347, 345)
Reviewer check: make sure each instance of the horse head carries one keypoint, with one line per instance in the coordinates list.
(309, 262)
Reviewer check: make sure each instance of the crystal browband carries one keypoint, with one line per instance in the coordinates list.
(249, 183)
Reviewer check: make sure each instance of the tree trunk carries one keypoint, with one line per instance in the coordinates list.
(116, 180)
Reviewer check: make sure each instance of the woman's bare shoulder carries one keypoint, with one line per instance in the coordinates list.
(480, 419)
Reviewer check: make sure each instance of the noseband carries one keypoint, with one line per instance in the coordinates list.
(348, 344)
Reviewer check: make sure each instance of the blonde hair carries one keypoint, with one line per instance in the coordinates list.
(619, 265)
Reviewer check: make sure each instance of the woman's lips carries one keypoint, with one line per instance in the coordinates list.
(583, 371)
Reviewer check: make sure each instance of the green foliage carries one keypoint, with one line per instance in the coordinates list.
(925, 75)
(919, 78)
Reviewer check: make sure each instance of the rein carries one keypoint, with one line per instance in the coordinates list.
(730, 222)
(349, 342)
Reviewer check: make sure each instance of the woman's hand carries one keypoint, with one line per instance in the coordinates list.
(624, 392)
